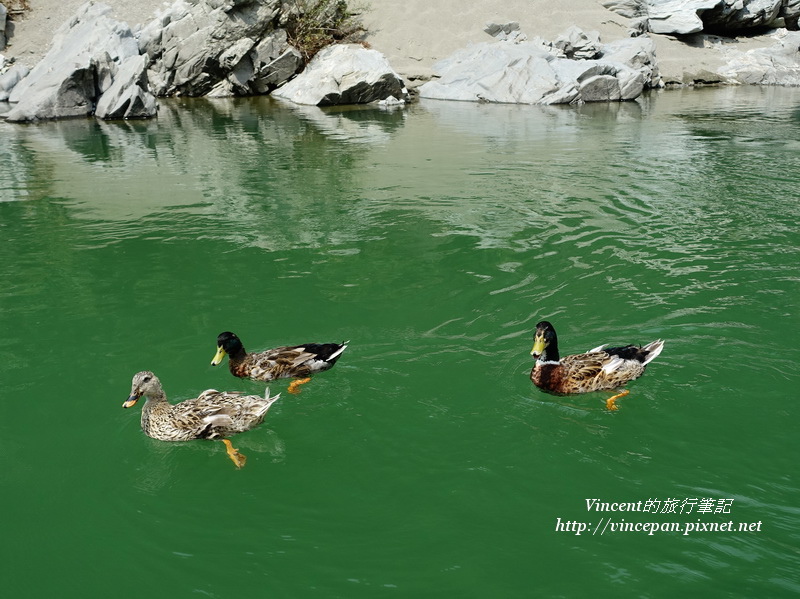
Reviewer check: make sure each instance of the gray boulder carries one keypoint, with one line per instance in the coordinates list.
(259, 68)
(578, 44)
(684, 17)
(678, 17)
(86, 54)
(274, 61)
(776, 65)
(505, 31)
(630, 9)
(344, 74)
(668, 17)
(639, 53)
(126, 97)
(218, 48)
(734, 16)
(10, 78)
(3, 21)
(528, 73)
(790, 13)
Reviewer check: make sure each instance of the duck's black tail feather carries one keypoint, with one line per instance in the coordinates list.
(328, 352)
(634, 352)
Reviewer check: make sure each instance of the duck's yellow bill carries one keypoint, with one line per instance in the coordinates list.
(218, 356)
(538, 346)
(130, 402)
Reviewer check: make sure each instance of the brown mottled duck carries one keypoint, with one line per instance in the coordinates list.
(212, 415)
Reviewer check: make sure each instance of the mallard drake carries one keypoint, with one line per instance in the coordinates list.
(212, 415)
(601, 368)
(299, 361)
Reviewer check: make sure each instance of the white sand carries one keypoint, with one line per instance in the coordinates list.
(412, 34)
(33, 34)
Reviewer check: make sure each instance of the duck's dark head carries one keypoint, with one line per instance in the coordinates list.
(545, 343)
(227, 344)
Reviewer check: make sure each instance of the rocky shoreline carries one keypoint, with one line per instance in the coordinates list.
(96, 64)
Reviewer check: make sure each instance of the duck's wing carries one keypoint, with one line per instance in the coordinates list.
(595, 371)
(581, 369)
(293, 361)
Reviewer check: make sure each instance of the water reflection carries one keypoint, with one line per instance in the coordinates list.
(589, 190)
(352, 124)
(266, 175)
(521, 122)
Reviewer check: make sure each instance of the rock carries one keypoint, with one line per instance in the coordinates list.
(10, 78)
(59, 97)
(344, 74)
(391, 102)
(3, 22)
(526, 73)
(638, 53)
(600, 80)
(735, 16)
(684, 17)
(275, 61)
(630, 9)
(667, 17)
(494, 72)
(790, 13)
(506, 31)
(215, 45)
(575, 43)
(127, 97)
(678, 17)
(200, 47)
(86, 53)
(778, 65)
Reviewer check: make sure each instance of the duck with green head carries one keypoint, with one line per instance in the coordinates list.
(599, 369)
(295, 361)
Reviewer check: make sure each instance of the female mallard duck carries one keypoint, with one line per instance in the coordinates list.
(596, 370)
(213, 415)
(297, 361)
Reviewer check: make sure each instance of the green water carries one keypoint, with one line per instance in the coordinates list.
(425, 464)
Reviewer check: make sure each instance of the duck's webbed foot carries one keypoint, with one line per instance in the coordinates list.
(611, 401)
(233, 453)
(293, 386)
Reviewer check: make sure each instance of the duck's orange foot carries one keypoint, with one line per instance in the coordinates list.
(611, 401)
(233, 453)
(293, 386)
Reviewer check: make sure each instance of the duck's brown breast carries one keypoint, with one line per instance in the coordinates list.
(548, 376)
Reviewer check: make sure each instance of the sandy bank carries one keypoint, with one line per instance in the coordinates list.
(414, 34)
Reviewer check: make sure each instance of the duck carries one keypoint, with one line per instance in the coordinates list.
(298, 361)
(599, 369)
(212, 415)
